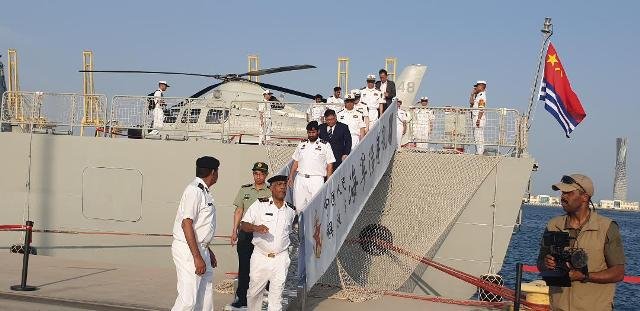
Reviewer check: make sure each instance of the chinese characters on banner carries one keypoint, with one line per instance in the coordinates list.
(333, 211)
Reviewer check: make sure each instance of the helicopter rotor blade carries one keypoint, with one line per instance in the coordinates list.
(285, 90)
(205, 90)
(155, 72)
(275, 70)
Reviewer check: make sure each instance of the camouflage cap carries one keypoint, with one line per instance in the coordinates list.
(260, 166)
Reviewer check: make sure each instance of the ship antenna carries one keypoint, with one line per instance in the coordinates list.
(547, 31)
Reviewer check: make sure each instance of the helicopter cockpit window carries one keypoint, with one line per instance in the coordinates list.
(217, 116)
(190, 116)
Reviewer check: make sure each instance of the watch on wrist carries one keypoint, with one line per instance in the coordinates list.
(586, 277)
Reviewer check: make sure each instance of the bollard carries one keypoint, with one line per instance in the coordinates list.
(25, 260)
(516, 303)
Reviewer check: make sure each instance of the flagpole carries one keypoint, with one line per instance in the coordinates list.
(547, 30)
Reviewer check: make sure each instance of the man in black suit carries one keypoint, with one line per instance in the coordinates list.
(387, 87)
(338, 136)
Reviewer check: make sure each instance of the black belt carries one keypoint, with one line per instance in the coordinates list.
(308, 176)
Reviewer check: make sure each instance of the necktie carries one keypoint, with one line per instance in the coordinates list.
(330, 132)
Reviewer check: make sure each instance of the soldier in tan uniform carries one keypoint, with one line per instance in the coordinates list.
(599, 236)
(247, 195)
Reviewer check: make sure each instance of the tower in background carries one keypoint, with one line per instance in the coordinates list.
(620, 180)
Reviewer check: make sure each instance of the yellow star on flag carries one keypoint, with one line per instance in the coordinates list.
(552, 59)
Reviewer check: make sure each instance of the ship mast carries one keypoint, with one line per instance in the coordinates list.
(547, 31)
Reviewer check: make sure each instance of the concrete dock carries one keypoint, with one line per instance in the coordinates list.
(69, 285)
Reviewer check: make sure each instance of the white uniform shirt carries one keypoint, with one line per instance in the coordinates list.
(316, 112)
(278, 220)
(371, 97)
(479, 102)
(265, 109)
(353, 118)
(383, 87)
(335, 103)
(422, 123)
(196, 204)
(313, 157)
(158, 111)
(403, 116)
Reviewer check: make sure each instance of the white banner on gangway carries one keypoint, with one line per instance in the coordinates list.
(332, 212)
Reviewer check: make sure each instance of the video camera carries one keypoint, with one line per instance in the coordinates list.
(558, 243)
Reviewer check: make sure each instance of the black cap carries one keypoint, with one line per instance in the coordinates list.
(208, 162)
(277, 178)
(318, 96)
(313, 125)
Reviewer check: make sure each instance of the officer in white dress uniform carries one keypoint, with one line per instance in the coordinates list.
(312, 163)
(270, 220)
(264, 111)
(374, 100)
(159, 105)
(422, 124)
(335, 101)
(193, 230)
(403, 118)
(354, 119)
(478, 102)
(316, 110)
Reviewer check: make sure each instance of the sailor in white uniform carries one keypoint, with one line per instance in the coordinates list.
(316, 110)
(312, 162)
(478, 119)
(264, 111)
(270, 220)
(159, 105)
(354, 119)
(422, 124)
(374, 100)
(403, 119)
(335, 102)
(193, 230)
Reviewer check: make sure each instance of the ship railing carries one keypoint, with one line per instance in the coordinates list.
(266, 121)
(455, 129)
(183, 117)
(57, 113)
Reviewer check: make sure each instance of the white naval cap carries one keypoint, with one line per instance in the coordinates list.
(163, 82)
(350, 96)
(371, 77)
(424, 98)
(355, 92)
(266, 92)
(481, 82)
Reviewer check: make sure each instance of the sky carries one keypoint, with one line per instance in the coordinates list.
(459, 41)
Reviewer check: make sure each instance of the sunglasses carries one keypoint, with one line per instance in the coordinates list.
(569, 180)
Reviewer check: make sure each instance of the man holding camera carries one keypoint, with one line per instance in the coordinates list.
(593, 287)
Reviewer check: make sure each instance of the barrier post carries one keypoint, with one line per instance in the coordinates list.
(516, 301)
(25, 260)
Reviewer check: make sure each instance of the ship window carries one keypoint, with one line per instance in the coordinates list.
(190, 116)
(171, 115)
(217, 116)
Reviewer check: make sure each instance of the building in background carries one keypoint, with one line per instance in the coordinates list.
(620, 179)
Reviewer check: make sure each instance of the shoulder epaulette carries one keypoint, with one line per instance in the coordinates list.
(247, 185)
(263, 199)
(201, 186)
(305, 140)
(322, 141)
(291, 206)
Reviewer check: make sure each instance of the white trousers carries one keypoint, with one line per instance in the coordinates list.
(399, 134)
(194, 292)
(158, 117)
(304, 189)
(265, 269)
(373, 116)
(478, 135)
(355, 140)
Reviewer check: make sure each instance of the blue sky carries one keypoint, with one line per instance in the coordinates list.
(459, 41)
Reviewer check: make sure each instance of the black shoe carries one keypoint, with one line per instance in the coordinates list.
(239, 304)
